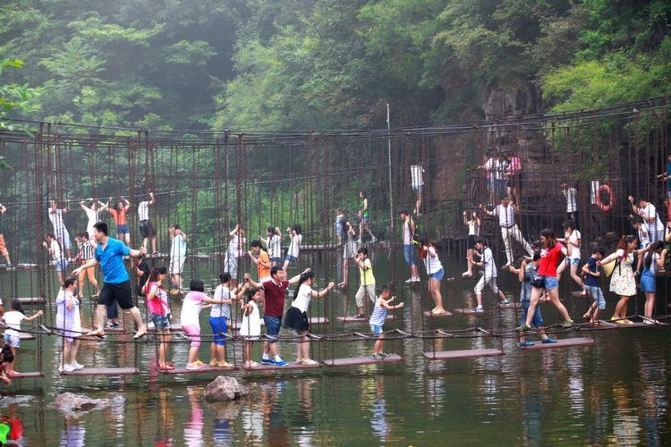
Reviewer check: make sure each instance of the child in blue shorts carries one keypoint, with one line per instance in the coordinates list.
(377, 318)
(591, 273)
(525, 274)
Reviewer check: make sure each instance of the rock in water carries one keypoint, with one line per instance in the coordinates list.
(224, 388)
(75, 404)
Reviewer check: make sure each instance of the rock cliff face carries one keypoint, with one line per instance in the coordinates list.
(516, 99)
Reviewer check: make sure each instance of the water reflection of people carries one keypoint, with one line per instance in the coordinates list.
(193, 429)
(74, 433)
(166, 419)
(378, 420)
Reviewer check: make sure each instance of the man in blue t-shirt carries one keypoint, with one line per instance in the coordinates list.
(109, 255)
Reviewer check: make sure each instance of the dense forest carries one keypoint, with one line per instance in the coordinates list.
(325, 64)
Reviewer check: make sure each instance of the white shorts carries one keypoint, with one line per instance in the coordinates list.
(176, 265)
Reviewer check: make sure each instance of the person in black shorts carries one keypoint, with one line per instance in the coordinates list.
(109, 255)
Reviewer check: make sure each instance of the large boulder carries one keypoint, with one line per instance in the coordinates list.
(72, 404)
(224, 388)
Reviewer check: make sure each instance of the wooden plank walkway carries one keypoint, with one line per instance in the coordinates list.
(462, 354)
(102, 372)
(359, 361)
(207, 369)
(348, 319)
(562, 343)
(289, 366)
(429, 314)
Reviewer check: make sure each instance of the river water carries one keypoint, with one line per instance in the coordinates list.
(615, 392)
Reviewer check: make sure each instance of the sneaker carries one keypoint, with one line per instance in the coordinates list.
(409, 280)
(524, 344)
(504, 303)
(416, 279)
(77, 365)
(267, 362)
(466, 275)
(567, 324)
(383, 355)
(549, 340)
(374, 240)
(68, 367)
(280, 362)
(193, 366)
(478, 310)
(310, 362)
(524, 328)
(115, 325)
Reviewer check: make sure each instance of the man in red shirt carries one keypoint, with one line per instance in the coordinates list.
(274, 290)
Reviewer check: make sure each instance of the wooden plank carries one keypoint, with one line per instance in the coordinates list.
(289, 366)
(429, 314)
(358, 361)
(28, 375)
(562, 343)
(173, 327)
(312, 320)
(347, 319)
(462, 354)
(468, 311)
(600, 326)
(207, 369)
(93, 372)
(26, 336)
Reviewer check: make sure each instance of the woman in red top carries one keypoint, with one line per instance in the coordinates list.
(119, 215)
(551, 255)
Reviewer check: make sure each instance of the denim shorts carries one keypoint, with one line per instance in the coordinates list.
(648, 282)
(596, 293)
(273, 325)
(438, 276)
(573, 261)
(160, 322)
(290, 259)
(538, 318)
(550, 282)
(122, 229)
(277, 261)
(409, 254)
(13, 341)
(376, 330)
(219, 327)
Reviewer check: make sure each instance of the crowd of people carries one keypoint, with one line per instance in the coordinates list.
(544, 261)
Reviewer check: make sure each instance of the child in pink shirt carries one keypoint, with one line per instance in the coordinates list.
(157, 303)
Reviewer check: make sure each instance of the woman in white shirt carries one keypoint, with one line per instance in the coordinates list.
(434, 269)
(472, 221)
(573, 241)
(296, 317)
(294, 246)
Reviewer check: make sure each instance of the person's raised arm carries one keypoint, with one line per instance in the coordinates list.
(521, 271)
(89, 264)
(136, 254)
(127, 203)
(84, 207)
(466, 221)
(248, 279)
(240, 291)
(234, 231)
(486, 211)
(386, 304)
(37, 314)
(3, 210)
(322, 293)
(252, 257)
(103, 205)
(662, 258)
(152, 199)
(633, 207)
(296, 278)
